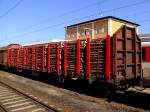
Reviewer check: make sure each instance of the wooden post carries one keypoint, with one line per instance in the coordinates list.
(57, 59)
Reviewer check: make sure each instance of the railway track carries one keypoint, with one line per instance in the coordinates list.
(12, 100)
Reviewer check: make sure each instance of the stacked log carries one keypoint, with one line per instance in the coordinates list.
(9, 57)
(40, 57)
(29, 64)
(53, 57)
(71, 58)
(98, 59)
(14, 57)
(21, 58)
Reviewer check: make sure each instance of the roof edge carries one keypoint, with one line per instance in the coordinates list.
(106, 17)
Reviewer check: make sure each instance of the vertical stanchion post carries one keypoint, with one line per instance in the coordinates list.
(43, 58)
(10, 57)
(108, 57)
(33, 58)
(36, 56)
(8, 61)
(17, 57)
(48, 58)
(57, 59)
(24, 58)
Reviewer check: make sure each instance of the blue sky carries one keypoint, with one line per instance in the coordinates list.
(42, 20)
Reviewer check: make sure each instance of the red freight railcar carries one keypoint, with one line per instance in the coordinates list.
(20, 58)
(11, 55)
(41, 57)
(115, 59)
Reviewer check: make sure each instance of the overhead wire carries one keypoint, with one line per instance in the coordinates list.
(126, 6)
(56, 25)
(11, 9)
(67, 13)
(105, 11)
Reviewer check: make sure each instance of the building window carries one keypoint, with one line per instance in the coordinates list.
(103, 28)
(81, 33)
(87, 32)
(73, 34)
(98, 30)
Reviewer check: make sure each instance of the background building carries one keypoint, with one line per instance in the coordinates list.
(97, 28)
(145, 47)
